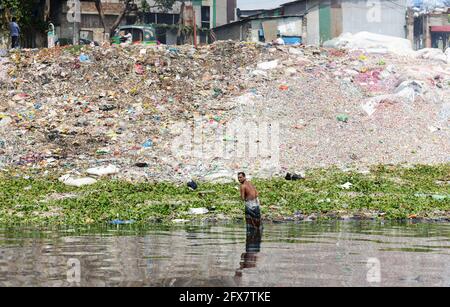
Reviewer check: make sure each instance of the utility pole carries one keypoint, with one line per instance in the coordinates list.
(74, 16)
(76, 33)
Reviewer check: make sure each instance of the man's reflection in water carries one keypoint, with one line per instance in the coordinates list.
(252, 248)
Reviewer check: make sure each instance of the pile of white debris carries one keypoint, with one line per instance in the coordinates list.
(377, 43)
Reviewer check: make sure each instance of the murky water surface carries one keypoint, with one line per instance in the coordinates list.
(305, 254)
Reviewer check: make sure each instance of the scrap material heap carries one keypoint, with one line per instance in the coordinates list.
(64, 110)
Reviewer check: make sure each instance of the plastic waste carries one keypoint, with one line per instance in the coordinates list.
(147, 144)
(198, 211)
(84, 58)
(141, 164)
(346, 186)
(103, 170)
(122, 222)
(342, 118)
(433, 54)
(179, 221)
(77, 182)
(294, 177)
(433, 196)
(192, 185)
(371, 43)
(295, 51)
(268, 65)
(139, 69)
(103, 151)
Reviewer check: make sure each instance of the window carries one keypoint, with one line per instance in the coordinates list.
(165, 18)
(206, 17)
(87, 35)
(149, 35)
(161, 18)
(137, 35)
(126, 31)
(150, 18)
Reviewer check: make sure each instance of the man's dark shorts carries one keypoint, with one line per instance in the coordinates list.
(252, 209)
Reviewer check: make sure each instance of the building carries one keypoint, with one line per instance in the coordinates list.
(208, 14)
(243, 14)
(327, 19)
(323, 20)
(213, 13)
(263, 29)
(431, 28)
(286, 21)
(90, 26)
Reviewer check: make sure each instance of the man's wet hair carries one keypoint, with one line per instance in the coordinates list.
(14, 19)
(241, 173)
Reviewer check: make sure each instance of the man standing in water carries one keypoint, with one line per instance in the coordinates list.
(252, 206)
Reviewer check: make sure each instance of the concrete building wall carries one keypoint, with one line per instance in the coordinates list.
(336, 18)
(440, 20)
(235, 31)
(295, 8)
(231, 10)
(313, 24)
(249, 30)
(221, 12)
(325, 20)
(290, 26)
(387, 17)
(90, 26)
(171, 37)
(198, 13)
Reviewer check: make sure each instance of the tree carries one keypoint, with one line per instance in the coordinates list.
(129, 6)
(165, 5)
(30, 16)
(14, 8)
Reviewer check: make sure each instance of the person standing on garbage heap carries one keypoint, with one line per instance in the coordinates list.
(279, 40)
(15, 32)
(249, 195)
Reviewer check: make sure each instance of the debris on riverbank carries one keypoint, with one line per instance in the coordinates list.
(76, 109)
(384, 193)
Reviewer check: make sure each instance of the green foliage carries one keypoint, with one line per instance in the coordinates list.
(25, 12)
(163, 5)
(390, 192)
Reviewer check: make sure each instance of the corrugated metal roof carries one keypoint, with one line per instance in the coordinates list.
(257, 18)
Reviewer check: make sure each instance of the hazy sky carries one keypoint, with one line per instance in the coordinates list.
(259, 4)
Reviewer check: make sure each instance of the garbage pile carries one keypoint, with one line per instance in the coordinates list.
(379, 44)
(155, 112)
(88, 104)
(372, 43)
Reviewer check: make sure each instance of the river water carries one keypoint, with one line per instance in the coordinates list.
(305, 254)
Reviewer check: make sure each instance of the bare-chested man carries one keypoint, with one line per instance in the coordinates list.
(252, 206)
